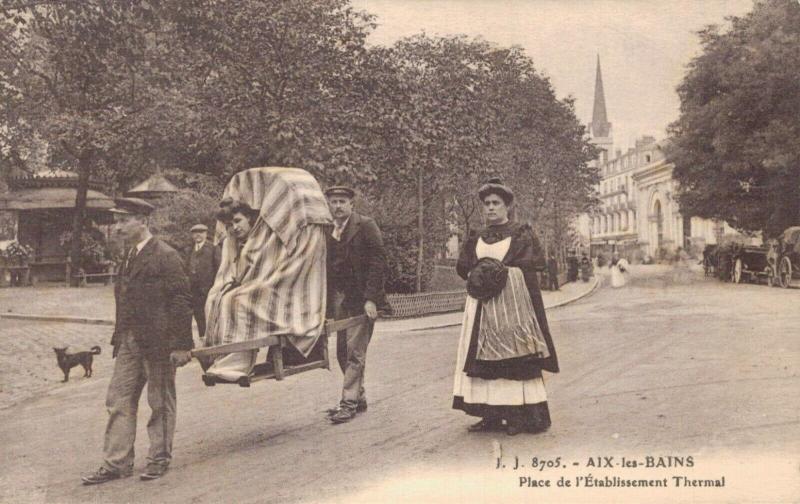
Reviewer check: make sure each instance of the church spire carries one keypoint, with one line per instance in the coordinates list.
(599, 127)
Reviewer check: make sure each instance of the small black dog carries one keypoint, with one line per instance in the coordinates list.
(67, 361)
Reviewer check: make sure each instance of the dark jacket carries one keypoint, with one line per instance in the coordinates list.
(202, 266)
(552, 266)
(153, 301)
(526, 254)
(363, 264)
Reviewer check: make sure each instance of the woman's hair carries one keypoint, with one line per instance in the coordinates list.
(496, 186)
(229, 207)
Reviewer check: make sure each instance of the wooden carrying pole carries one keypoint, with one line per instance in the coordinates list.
(331, 326)
(276, 369)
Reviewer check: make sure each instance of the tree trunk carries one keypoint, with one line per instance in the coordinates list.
(420, 228)
(78, 218)
(557, 231)
(466, 215)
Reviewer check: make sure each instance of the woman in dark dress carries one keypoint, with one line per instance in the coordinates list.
(505, 340)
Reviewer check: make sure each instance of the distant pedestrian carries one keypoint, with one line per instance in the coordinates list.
(356, 265)
(572, 267)
(681, 273)
(586, 268)
(152, 335)
(552, 273)
(500, 358)
(618, 269)
(202, 265)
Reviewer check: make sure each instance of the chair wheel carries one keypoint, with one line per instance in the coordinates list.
(210, 381)
(244, 381)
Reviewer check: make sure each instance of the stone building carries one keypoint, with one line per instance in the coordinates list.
(638, 215)
(600, 128)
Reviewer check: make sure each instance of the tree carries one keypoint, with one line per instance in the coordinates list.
(89, 80)
(216, 86)
(735, 143)
(450, 112)
(178, 212)
(441, 124)
(274, 80)
(539, 147)
(19, 148)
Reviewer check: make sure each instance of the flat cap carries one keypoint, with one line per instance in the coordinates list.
(199, 228)
(132, 206)
(340, 191)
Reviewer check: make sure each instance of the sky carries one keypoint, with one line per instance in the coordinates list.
(644, 46)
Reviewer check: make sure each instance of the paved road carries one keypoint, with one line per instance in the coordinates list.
(656, 369)
(32, 322)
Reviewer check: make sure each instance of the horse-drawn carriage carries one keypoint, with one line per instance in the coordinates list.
(787, 257)
(734, 262)
(777, 262)
(752, 263)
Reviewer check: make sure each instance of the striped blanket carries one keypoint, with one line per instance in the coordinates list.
(275, 285)
(509, 327)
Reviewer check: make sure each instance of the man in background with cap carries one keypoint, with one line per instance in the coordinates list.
(202, 265)
(153, 334)
(356, 264)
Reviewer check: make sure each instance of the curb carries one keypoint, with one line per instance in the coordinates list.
(106, 322)
(594, 287)
(57, 318)
(579, 296)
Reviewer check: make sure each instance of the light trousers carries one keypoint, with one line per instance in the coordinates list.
(351, 353)
(132, 371)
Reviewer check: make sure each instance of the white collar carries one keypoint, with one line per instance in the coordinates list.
(338, 230)
(344, 224)
(141, 244)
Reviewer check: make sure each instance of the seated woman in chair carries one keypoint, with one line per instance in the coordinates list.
(271, 279)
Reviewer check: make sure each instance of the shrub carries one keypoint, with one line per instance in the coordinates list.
(16, 250)
(176, 214)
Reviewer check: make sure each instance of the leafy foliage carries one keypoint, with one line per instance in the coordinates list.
(16, 250)
(273, 80)
(176, 214)
(201, 89)
(735, 143)
(89, 79)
